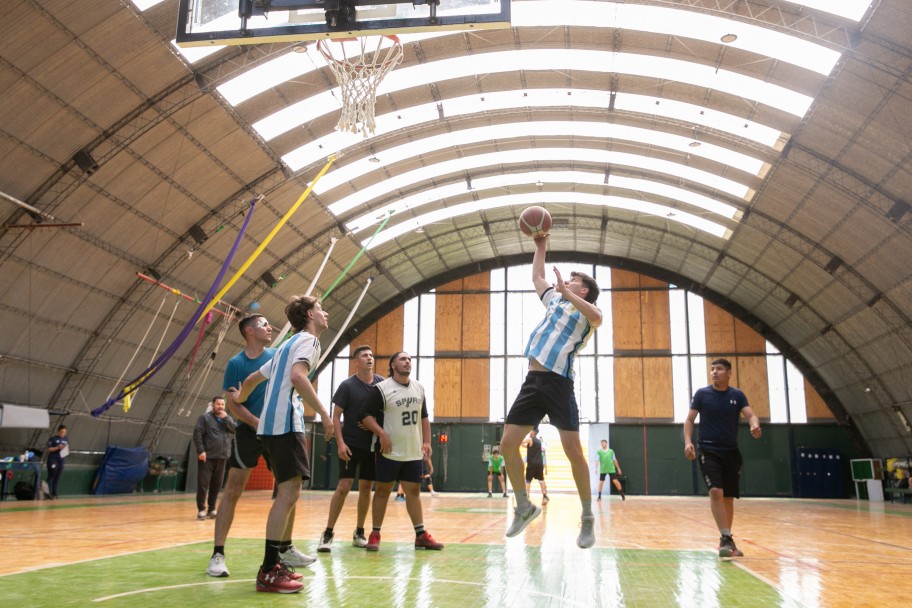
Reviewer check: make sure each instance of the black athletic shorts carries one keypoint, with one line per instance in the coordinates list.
(535, 471)
(602, 476)
(545, 393)
(395, 470)
(246, 449)
(721, 470)
(288, 455)
(362, 461)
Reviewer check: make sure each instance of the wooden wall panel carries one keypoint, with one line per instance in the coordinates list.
(390, 330)
(656, 316)
(452, 286)
(477, 282)
(650, 283)
(720, 329)
(752, 379)
(623, 279)
(626, 320)
(447, 387)
(816, 407)
(449, 323)
(476, 322)
(657, 382)
(628, 387)
(476, 392)
(748, 340)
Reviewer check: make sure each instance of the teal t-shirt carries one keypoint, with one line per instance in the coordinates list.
(606, 461)
(494, 464)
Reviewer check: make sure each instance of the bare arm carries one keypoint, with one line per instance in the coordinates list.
(299, 379)
(240, 411)
(689, 451)
(344, 452)
(538, 265)
(426, 437)
(617, 466)
(754, 421)
(371, 424)
(250, 383)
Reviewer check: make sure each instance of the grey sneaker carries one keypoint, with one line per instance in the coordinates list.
(217, 566)
(201, 515)
(521, 520)
(295, 558)
(358, 540)
(586, 536)
(326, 542)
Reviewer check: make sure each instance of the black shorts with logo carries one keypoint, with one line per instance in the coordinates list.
(246, 449)
(545, 393)
(362, 462)
(288, 455)
(721, 469)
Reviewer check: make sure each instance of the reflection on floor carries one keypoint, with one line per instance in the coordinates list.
(141, 551)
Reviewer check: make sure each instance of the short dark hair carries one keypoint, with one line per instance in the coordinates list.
(723, 362)
(360, 350)
(393, 358)
(248, 321)
(297, 310)
(62, 426)
(496, 451)
(589, 283)
(222, 397)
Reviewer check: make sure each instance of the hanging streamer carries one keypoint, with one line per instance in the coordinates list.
(343, 328)
(169, 352)
(382, 225)
(270, 236)
(206, 321)
(138, 348)
(284, 332)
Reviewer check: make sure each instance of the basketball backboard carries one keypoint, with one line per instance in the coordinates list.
(217, 22)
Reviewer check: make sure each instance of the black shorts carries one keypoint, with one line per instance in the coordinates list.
(246, 449)
(535, 471)
(721, 470)
(545, 394)
(602, 476)
(362, 461)
(288, 455)
(389, 471)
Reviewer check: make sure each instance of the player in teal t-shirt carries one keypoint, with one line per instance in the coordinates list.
(608, 466)
(496, 467)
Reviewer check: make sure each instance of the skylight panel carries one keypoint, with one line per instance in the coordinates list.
(144, 5)
(850, 9)
(194, 54)
(661, 68)
(564, 198)
(264, 77)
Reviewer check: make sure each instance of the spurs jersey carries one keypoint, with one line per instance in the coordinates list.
(400, 410)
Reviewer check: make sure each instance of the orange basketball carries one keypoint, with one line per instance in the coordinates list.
(535, 221)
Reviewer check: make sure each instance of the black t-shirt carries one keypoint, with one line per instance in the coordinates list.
(719, 413)
(534, 452)
(350, 398)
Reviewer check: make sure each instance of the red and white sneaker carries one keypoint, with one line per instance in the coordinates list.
(277, 580)
(426, 541)
(373, 542)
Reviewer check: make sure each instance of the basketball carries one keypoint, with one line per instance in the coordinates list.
(535, 221)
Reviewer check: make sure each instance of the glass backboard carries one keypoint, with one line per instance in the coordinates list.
(218, 22)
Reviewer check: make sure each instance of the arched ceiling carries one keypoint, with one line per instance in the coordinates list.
(769, 174)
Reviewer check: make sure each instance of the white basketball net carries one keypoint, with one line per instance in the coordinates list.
(359, 69)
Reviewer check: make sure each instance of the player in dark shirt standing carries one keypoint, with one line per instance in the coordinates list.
(354, 446)
(719, 407)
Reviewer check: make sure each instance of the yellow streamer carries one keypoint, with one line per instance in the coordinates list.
(266, 242)
(127, 403)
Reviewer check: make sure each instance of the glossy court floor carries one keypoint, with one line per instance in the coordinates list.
(651, 551)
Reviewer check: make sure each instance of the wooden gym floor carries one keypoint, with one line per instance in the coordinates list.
(145, 551)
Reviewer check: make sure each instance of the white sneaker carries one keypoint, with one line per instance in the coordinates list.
(358, 540)
(201, 515)
(293, 557)
(433, 493)
(326, 541)
(217, 566)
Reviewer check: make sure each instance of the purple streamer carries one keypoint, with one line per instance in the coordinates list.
(154, 368)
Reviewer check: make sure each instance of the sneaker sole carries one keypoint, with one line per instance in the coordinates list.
(725, 553)
(536, 511)
(417, 547)
(323, 550)
(217, 575)
(370, 548)
(264, 590)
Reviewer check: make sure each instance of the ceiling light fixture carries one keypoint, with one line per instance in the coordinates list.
(373, 159)
(299, 48)
(729, 38)
(694, 144)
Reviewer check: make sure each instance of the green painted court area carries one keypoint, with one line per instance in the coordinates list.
(461, 576)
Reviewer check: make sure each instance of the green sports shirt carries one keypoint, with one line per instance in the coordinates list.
(494, 464)
(606, 461)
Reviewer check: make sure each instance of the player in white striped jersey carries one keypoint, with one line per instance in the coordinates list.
(570, 320)
(396, 412)
(281, 431)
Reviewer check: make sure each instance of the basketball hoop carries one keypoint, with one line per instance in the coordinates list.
(359, 71)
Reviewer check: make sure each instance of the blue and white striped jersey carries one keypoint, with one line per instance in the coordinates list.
(561, 334)
(282, 413)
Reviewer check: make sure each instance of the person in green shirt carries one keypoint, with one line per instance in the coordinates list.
(496, 467)
(608, 466)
